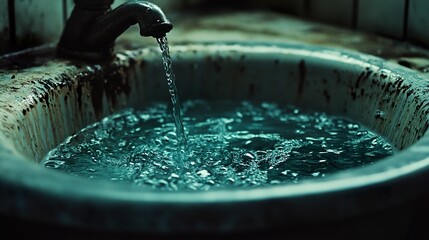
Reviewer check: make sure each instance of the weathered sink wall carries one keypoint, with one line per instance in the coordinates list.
(39, 112)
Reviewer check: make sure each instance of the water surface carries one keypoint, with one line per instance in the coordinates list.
(229, 144)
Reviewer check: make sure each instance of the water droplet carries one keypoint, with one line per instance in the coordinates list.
(248, 156)
(122, 143)
(334, 151)
(386, 98)
(379, 114)
(173, 175)
(203, 173)
(54, 164)
(162, 182)
(171, 135)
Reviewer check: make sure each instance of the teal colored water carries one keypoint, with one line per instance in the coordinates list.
(229, 144)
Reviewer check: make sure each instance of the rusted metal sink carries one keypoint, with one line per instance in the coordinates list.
(41, 105)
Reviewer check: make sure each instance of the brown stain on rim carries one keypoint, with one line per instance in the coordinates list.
(302, 75)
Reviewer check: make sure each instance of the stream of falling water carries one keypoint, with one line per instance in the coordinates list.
(171, 80)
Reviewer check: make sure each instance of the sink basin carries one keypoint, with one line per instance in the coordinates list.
(42, 105)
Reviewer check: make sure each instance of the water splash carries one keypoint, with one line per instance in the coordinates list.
(171, 80)
(230, 144)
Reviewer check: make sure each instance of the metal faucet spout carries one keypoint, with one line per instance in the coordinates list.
(92, 28)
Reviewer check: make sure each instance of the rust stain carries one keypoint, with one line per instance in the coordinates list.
(251, 90)
(302, 76)
(327, 95)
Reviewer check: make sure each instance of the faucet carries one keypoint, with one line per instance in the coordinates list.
(92, 28)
